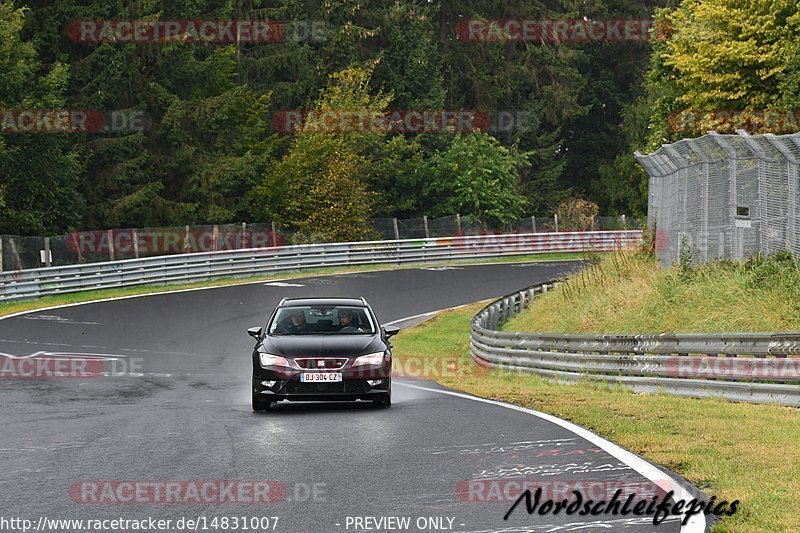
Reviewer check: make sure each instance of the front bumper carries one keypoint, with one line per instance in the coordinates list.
(345, 390)
(356, 384)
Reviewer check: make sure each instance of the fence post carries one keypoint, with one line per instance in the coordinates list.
(15, 254)
(425, 223)
(533, 224)
(216, 236)
(458, 224)
(396, 229)
(47, 251)
(555, 216)
(243, 238)
(624, 222)
(274, 235)
(110, 235)
(136, 244)
(186, 239)
(1, 253)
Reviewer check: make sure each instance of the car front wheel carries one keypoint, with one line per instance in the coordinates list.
(260, 405)
(384, 402)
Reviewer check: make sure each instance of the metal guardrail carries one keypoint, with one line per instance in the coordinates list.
(695, 365)
(33, 283)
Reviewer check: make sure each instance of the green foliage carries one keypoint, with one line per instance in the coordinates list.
(211, 154)
(730, 54)
(319, 186)
(476, 177)
(39, 172)
(685, 260)
(721, 55)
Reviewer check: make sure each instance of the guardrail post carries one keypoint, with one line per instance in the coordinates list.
(425, 223)
(555, 216)
(396, 229)
(533, 224)
(458, 224)
(110, 235)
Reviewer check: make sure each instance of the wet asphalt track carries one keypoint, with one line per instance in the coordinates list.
(188, 417)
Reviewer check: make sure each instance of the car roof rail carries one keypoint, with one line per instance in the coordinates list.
(364, 300)
(282, 301)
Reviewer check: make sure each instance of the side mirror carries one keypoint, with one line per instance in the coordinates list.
(391, 331)
(254, 332)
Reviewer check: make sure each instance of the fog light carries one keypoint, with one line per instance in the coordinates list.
(374, 382)
(268, 384)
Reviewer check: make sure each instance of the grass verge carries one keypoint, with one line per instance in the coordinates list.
(87, 296)
(630, 293)
(729, 450)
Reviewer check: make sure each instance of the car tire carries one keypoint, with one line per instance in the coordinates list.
(383, 403)
(260, 405)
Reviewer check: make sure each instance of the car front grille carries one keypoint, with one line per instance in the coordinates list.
(320, 363)
(342, 387)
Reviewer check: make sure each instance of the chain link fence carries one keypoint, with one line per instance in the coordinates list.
(724, 196)
(21, 253)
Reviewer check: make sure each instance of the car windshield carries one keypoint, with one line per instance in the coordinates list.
(322, 320)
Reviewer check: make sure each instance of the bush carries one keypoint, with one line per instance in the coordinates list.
(577, 215)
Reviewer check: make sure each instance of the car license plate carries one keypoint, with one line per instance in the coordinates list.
(320, 377)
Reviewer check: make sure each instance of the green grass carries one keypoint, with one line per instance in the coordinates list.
(87, 296)
(629, 293)
(729, 450)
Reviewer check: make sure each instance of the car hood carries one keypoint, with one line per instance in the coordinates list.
(322, 345)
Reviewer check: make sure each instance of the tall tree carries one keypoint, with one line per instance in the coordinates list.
(39, 172)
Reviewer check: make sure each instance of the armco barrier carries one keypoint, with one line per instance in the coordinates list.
(696, 365)
(33, 283)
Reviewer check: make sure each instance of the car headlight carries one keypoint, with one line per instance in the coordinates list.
(372, 359)
(268, 360)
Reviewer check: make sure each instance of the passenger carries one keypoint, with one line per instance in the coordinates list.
(297, 323)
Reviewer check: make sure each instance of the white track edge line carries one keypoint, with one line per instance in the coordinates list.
(432, 313)
(696, 523)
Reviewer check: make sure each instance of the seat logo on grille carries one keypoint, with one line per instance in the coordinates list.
(321, 363)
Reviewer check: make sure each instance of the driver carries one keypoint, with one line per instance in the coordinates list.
(346, 319)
